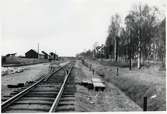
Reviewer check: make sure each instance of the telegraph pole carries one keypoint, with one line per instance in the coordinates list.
(55, 55)
(38, 50)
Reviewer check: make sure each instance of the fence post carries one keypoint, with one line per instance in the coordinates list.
(93, 71)
(117, 71)
(90, 67)
(145, 104)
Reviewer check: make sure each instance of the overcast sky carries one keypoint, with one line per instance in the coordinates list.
(65, 26)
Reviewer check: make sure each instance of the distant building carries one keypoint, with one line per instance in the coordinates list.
(46, 56)
(11, 55)
(10, 58)
(3, 60)
(53, 56)
(41, 56)
(31, 54)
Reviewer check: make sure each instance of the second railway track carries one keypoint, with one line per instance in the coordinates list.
(50, 94)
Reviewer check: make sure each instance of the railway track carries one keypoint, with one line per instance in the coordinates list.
(54, 93)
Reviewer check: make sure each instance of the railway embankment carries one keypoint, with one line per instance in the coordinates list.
(136, 84)
(110, 99)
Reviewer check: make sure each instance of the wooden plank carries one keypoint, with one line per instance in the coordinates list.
(96, 80)
(87, 81)
(95, 84)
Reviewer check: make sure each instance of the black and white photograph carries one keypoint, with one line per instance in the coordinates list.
(60, 56)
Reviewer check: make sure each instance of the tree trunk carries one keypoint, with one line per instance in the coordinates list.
(93, 53)
(139, 44)
(130, 53)
(116, 49)
(130, 60)
(139, 55)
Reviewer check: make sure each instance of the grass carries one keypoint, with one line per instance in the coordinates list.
(148, 81)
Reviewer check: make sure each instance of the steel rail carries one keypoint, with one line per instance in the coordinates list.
(57, 99)
(8, 102)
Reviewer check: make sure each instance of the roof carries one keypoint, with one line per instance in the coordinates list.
(31, 50)
(11, 54)
(51, 53)
(35, 51)
(44, 52)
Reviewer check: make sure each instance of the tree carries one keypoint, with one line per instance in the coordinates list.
(86, 54)
(141, 22)
(109, 46)
(162, 40)
(99, 51)
(95, 49)
(114, 32)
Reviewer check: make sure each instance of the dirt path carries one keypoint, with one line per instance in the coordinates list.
(112, 99)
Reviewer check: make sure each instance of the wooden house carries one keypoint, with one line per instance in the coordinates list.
(31, 54)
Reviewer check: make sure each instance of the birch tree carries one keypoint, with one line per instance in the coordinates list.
(142, 22)
(114, 30)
